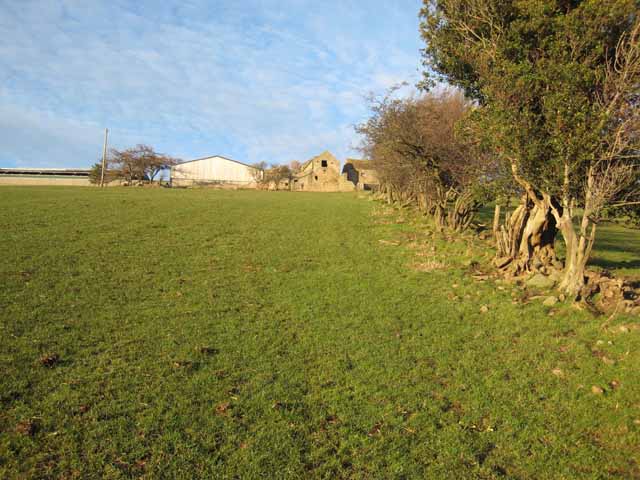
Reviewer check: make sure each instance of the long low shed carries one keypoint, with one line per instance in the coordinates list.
(45, 176)
(216, 170)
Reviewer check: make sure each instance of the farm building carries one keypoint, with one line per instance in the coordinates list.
(361, 173)
(45, 176)
(216, 170)
(321, 174)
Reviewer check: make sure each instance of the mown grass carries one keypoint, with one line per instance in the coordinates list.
(212, 334)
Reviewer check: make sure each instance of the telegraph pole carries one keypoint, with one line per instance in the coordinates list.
(104, 157)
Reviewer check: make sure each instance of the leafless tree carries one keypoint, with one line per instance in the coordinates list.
(139, 164)
(423, 158)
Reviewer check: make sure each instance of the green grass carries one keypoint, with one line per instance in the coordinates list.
(213, 334)
(617, 249)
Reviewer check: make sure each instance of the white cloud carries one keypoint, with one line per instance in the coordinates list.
(251, 80)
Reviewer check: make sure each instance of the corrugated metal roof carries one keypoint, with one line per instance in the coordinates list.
(45, 171)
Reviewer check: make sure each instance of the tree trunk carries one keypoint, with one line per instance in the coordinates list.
(526, 240)
(578, 242)
(496, 221)
(461, 213)
(422, 201)
(389, 195)
(440, 218)
(578, 246)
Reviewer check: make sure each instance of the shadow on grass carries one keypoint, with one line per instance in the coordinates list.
(614, 265)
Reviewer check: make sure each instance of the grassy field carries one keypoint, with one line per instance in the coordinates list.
(212, 334)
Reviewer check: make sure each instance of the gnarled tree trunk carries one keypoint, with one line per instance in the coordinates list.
(578, 252)
(525, 242)
(440, 217)
(578, 242)
(461, 212)
(496, 222)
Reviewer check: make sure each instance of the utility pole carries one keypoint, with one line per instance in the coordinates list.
(104, 157)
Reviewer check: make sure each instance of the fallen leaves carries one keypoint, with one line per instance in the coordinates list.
(480, 277)
(49, 360)
(601, 355)
(184, 365)
(376, 429)
(207, 350)
(428, 266)
(607, 360)
(393, 243)
(27, 428)
(222, 409)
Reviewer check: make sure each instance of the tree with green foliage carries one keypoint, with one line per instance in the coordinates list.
(95, 174)
(557, 86)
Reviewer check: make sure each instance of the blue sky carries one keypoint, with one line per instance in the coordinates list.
(252, 80)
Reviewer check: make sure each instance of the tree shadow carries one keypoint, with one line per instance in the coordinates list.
(617, 248)
(614, 265)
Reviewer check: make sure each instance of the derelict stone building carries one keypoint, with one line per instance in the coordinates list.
(361, 173)
(321, 174)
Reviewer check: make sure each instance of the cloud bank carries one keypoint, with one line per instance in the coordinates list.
(253, 80)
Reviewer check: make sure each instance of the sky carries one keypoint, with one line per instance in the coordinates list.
(252, 80)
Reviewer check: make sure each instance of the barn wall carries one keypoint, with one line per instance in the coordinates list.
(315, 177)
(212, 170)
(368, 177)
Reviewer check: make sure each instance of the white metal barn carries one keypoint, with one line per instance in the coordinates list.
(214, 170)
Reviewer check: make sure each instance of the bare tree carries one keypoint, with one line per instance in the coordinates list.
(278, 175)
(258, 174)
(295, 166)
(422, 157)
(139, 164)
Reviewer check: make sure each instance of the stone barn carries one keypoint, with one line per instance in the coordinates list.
(214, 171)
(361, 173)
(321, 174)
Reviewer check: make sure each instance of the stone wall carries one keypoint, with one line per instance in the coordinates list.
(361, 174)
